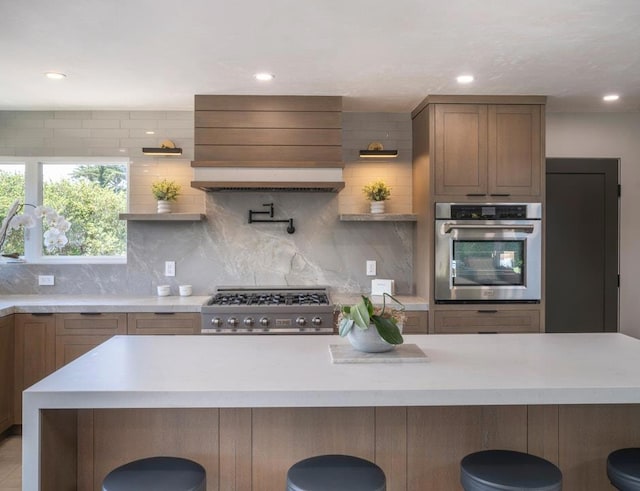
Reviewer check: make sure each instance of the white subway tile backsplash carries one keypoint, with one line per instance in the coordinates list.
(101, 123)
(150, 124)
(63, 123)
(70, 132)
(71, 115)
(148, 114)
(119, 115)
(175, 123)
(109, 133)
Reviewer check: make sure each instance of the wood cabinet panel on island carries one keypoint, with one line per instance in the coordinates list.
(6, 371)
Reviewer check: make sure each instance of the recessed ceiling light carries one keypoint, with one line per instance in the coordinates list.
(150, 132)
(264, 77)
(611, 97)
(55, 75)
(465, 79)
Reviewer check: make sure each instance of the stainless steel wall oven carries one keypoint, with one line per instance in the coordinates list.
(488, 252)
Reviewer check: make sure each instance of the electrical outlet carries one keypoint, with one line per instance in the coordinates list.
(371, 268)
(46, 280)
(169, 268)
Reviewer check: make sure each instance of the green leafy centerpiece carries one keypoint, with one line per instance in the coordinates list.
(165, 191)
(377, 193)
(369, 328)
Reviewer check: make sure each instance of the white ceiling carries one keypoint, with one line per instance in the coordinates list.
(381, 55)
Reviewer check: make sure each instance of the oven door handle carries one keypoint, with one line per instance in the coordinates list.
(448, 227)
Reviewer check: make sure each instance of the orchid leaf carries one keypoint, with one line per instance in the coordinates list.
(360, 314)
(368, 304)
(345, 326)
(387, 329)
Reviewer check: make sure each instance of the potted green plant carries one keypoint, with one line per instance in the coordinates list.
(377, 193)
(370, 328)
(165, 191)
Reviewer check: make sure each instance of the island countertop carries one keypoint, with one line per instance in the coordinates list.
(296, 371)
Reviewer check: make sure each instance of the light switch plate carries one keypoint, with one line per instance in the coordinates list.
(46, 280)
(371, 268)
(169, 268)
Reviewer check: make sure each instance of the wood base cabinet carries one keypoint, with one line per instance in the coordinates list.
(416, 323)
(6, 372)
(79, 333)
(35, 344)
(164, 323)
(486, 320)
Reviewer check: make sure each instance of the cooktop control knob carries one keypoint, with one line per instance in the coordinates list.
(232, 321)
(264, 322)
(216, 322)
(316, 321)
(301, 321)
(248, 321)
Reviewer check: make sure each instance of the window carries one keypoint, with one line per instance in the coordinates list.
(89, 192)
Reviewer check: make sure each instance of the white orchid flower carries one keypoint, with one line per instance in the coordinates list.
(63, 225)
(42, 211)
(25, 220)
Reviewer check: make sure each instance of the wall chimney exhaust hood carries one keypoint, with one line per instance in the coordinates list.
(268, 143)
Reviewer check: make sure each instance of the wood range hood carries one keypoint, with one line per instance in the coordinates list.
(268, 143)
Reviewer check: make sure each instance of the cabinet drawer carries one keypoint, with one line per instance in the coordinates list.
(91, 323)
(416, 323)
(164, 323)
(486, 320)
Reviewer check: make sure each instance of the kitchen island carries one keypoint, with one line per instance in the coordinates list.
(247, 407)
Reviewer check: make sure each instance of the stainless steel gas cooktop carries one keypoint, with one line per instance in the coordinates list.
(268, 310)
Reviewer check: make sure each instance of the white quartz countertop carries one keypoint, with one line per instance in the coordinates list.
(410, 302)
(296, 371)
(10, 304)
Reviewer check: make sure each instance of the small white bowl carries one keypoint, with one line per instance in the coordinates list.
(164, 290)
(185, 290)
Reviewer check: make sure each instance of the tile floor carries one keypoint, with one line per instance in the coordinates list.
(11, 463)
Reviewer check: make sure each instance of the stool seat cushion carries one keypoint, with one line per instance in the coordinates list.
(508, 470)
(623, 469)
(335, 473)
(157, 474)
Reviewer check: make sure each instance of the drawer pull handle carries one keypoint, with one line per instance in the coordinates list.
(163, 313)
(90, 313)
(471, 195)
(487, 332)
(487, 311)
(42, 314)
(501, 195)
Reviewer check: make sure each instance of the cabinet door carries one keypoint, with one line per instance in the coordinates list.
(486, 320)
(515, 150)
(164, 323)
(460, 158)
(35, 343)
(70, 347)
(416, 323)
(6, 372)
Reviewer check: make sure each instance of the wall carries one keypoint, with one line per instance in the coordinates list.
(225, 249)
(610, 135)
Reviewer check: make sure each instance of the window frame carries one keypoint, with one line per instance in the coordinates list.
(33, 193)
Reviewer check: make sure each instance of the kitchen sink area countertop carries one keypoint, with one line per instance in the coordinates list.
(30, 304)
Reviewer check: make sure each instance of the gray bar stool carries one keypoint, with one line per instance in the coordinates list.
(157, 474)
(508, 470)
(335, 473)
(623, 469)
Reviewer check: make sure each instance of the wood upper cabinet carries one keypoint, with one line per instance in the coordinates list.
(6, 372)
(164, 323)
(77, 334)
(461, 149)
(488, 151)
(35, 343)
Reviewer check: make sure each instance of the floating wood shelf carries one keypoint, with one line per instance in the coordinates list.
(163, 217)
(378, 217)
